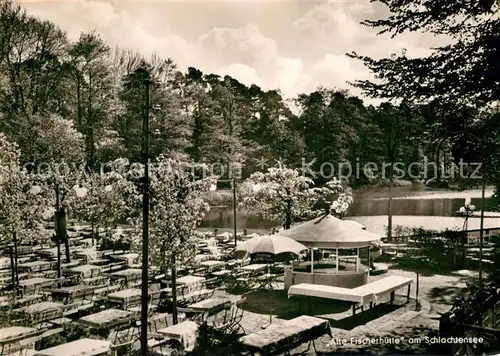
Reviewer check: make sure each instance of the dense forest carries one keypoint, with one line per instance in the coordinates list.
(83, 102)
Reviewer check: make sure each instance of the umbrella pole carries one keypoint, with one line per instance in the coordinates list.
(337, 260)
(369, 264)
(357, 259)
(312, 261)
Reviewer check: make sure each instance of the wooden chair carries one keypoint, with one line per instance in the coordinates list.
(233, 318)
(159, 321)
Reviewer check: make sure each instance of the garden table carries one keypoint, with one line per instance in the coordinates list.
(201, 258)
(17, 302)
(49, 252)
(125, 297)
(35, 266)
(191, 283)
(72, 292)
(185, 333)
(254, 268)
(28, 285)
(129, 275)
(222, 273)
(212, 265)
(45, 310)
(129, 258)
(100, 262)
(8, 279)
(87, 254)
(11, 337)
(4, 262)
(108, 318)
(210, 306)
(81, 347)
(283, 337)
(83, 271)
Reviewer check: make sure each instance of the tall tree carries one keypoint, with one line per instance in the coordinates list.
(168, 119)
(465, 71)
(89, 68)
(178, 204)
(31, 73)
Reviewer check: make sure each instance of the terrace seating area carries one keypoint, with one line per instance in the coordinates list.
(102, 290)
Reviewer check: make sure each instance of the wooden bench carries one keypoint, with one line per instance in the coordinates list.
(359, 296)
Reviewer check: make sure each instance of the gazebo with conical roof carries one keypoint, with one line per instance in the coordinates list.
(330, 233)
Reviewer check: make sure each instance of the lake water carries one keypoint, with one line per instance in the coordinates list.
(407, 201)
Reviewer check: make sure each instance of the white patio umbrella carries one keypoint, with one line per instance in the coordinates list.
(271, 244)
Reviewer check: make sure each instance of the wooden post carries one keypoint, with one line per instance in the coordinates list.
(312, 262)
(12, 267)
(337, 260)
(369, 265)
(357, 259)
(416, 292)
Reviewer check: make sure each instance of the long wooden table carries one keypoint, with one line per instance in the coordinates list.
(283, 337)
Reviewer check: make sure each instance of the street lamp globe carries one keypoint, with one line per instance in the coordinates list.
(472, 207)
(256, 188)
(462, 209)
(80, 191)
(35, 190)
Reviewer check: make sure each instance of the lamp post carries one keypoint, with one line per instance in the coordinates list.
(59, 217)
(467, 211)
(234, 213)
(233, 186)
(145, 76)
(483, 189)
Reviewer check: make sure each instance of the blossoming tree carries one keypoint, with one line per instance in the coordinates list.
(178, 203)
(59, 171)
(285, 195)
(111, 196)
(20, 206)
(340, 196)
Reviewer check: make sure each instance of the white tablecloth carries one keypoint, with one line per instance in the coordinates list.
(185, 332)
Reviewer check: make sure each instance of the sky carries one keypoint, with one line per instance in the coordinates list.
(294, 46)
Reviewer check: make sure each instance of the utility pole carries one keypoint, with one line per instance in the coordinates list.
(58, 232)
(234, 213)
(481, 236)
(15, 260)
(144, 75)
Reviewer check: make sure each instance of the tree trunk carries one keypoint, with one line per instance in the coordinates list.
(66, 247)
(79, 104)
(12, 267)
(288, 218)
(16, 272)
(174, 292)
(64, 234)
(389, 206)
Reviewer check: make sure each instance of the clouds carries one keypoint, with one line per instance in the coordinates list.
(291, 46)
(117, 28)
(257, 57)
